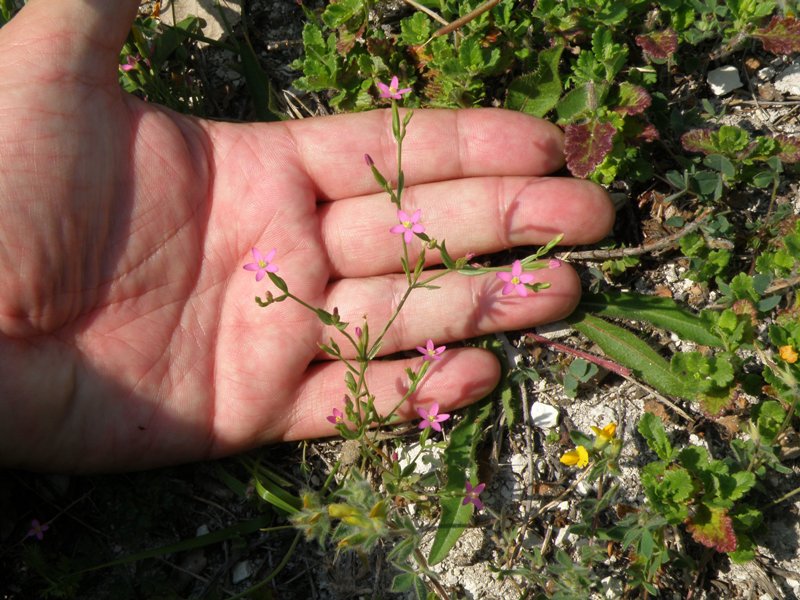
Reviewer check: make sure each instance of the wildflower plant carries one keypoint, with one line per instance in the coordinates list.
(350, 512)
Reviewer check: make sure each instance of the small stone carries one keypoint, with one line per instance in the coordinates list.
(724, 80)
(788, 81)
(212, 22)
(241, 571)
(555, 330)
(544, 416)
(765, 74)
(202, 530)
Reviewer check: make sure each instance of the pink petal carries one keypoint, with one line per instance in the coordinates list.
(422, 412)
(442, 417)
(252, 267)
(516, 268)
(435, 426)
(417, 228)
(270, 255)
(522, 291)
(526, 278)
(478, 489)
(394, 83)
(508, 288)
(257, 255)
(402, 216)
(398, 229)
(408, 236)
(422, 350)
(504, 276)
(260, 275)
(434, 408)
(384, 89)
(417, 214)
(271, 269)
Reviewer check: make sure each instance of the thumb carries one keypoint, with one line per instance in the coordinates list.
(78, 39)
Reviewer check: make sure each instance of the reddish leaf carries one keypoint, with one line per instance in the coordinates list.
(781, 36)
(586, 145)
(649, 133)
(699, 140)
(713, 528)
(633, 99)
(658, 44)
(790, 148)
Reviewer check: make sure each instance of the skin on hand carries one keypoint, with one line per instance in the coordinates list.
(128, 333)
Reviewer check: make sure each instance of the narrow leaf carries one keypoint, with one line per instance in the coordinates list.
(459, 455)
(628, 349)
(661, 312)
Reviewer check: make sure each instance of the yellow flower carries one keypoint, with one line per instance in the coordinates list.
(606, 433)
(576, 458)
(788, 354)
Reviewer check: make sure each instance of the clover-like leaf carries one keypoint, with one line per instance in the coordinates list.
(713, 528)
(658, 44)
(586, 145)
(781, 35)
(699, 140)
(789, 148)
(633, 99)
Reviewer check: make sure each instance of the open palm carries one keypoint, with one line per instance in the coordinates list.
(128, 332)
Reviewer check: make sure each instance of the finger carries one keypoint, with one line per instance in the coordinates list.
(460, 378)
(79, 38)
(478, 215)
(462, 307)
(440, 145)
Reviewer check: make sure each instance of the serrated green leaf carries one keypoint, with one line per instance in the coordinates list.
(661, 312)
(340, 12)
(634, 353)
(537, 93)
(458, 457)
(652, 430)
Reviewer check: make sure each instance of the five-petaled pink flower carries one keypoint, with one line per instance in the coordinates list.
(391, 90)
(471, 495)
(263, 264)
(431, 418)
(515, 280)
(337, 417)
(37, 529)
(429, 352)
(408, 226)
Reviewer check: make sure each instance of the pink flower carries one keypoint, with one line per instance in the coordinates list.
(515, 280)
(408, 226)
(391, 91)
(130, 63)
(431, 353)
(337, 417)
(553, 263)
(37, 530)
(471, 495)
(263, 265)
(432, 418)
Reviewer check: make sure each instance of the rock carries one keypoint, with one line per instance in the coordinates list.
(724, 80)
(212, 22)
(241, 571)
(554, 330)
(788, 81)
(544, 416)
(202, 530)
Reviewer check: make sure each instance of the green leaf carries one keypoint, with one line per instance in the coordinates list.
(340, 12)
(720, 164)
(416, 29)
(769, 417)
(458, 457)
(537, 93)
(403, 582)
(574, 104)
(276, 495)
(652, 430)
(661, 312)
(631, 351)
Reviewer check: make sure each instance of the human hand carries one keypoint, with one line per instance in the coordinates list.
(128, 333)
